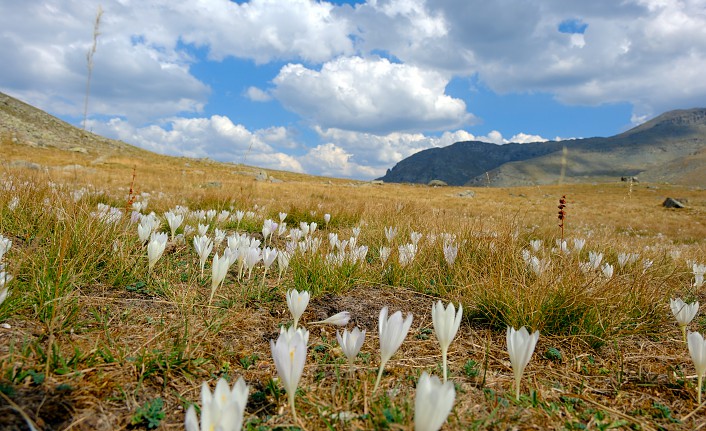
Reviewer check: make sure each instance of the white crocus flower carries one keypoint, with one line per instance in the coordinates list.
(607, 270)
(579, 243)
(390, 233)
(350, 343)
(252, 257)
(268, 257)
(282, 262)
(432, 403)
(202, 229)
(5, 244)
(536, 244)
(699, 271)
(384, 254)
(289, 354)
(393, 331)
(174, 221)
(595, 259)
(450, 252)
(446, 323)
(407, 252)
(297, 303)
(697, 350)
(219, 270)
(520, 346)
(683, 312)
(218, 236)
(223, 410)
(203, 246)
(338, 319)
(155, 248)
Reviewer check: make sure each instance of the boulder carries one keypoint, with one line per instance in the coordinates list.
(261, 176)
(673, 203)
(437, 183)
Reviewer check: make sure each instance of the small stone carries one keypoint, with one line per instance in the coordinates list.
(6, 326)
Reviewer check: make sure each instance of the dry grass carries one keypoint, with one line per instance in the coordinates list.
(93, 337)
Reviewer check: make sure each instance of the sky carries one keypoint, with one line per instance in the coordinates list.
(349, 88)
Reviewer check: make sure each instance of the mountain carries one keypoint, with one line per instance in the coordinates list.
(30, 137)
(669, 148)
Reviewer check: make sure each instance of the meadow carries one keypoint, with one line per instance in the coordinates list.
(92, 338)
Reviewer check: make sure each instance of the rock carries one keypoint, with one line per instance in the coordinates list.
(72, 167)
(275, 180)
(673, 203)
(25, 164)
(437, 183)
(466, 194)
(629, 179)
(78, 150)
(261, 176)
(377, 182)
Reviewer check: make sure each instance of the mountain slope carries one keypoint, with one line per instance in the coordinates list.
(653, 150)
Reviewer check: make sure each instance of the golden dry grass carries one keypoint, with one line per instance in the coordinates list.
(123, 337)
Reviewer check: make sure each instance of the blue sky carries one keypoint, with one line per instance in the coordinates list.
(348, 89)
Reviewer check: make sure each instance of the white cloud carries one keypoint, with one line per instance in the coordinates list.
(644, 52)
(341, 154)
(372, 95)
(264, 30)
(47, 49)
(331, 160)
(216, 137)
(257, 95)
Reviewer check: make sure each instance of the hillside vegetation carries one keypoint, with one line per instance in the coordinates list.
(668, 148)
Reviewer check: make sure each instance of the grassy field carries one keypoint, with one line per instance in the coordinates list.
(92, 339)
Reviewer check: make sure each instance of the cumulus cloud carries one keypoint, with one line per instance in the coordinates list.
(216, 137)
(47, 50)
(264, 30)
(257, 95)
(371, 95)
(377, 153)
(331, 160)
(341, 153)
(584, 53)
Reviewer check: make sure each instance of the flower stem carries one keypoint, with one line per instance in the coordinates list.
(444, 354)
(699, 380)
(291, 404)
(377, 382)
(683, 331)
(517, 388)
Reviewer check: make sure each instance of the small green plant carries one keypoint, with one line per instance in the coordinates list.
(471, 368)
(248, 361)
(150, 414)
(553, 354)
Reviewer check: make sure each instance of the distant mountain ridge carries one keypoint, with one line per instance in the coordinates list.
(668, 148)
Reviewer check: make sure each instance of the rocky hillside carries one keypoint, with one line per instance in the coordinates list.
(24, 124)
(668, 148)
